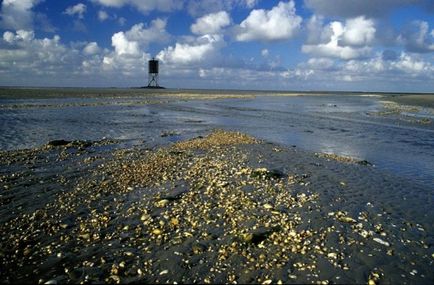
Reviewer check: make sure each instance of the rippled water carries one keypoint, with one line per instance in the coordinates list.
(340, 124)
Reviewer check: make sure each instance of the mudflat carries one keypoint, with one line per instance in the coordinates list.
(222, 207)
(414, 100)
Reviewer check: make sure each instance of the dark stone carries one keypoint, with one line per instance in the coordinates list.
(58, 143)
(273, 173)
(175, 194)
(261, 234)
(364, 162)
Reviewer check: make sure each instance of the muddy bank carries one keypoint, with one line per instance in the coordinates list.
(221, 208)
(414, 100)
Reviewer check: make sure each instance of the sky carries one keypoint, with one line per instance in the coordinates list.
(297, 45)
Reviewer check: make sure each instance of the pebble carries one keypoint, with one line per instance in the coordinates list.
(164, 272)
(413, 272)
(380, 241)
(347, 219)
(157, 232)
(162, 203)
(268, 206)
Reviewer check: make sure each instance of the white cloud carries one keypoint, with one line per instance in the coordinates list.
(347, 41)
(139, 37)
(320, 63)
(78, 9)
(20, 35)
(417, 38)
(279, 23)
(265, 52)
(353, 8)
(91, 48)
(412, 65)
(144, 35)
(359, 31)
(202, 48)
(124, 46)
(102, 15)
(17, 14)
(129, 56)
(144, 6)
(28, 58)
(211, 23)
(376, 67)
(316, 32)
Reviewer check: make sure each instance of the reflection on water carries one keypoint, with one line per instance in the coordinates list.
(333, 124)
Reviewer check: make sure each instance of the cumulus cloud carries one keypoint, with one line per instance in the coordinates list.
(122, 45)
(17, 14)
(316, 31)
(353, 8)
(417, 38)
(211, 23)
(320, 63)
(202, 48)
(27, 58)
(78, 9)
(346, 41)
(412, 65)
(143, 6)
(139, 37)
(202, 7)
(129, 54)
(397, 68)
(91, 48)
(358, 31)
(279, 23)
(402, 71)
(156, 32)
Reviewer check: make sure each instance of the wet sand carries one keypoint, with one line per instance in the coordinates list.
(220, 208)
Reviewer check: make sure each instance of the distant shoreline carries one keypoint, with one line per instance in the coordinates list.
(309, 92)
(16, 92)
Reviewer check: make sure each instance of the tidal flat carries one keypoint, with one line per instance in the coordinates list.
(171, 196)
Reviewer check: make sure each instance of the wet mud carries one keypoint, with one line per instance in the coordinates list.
(222, 207)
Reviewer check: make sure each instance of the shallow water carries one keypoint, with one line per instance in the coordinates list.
(340, 124)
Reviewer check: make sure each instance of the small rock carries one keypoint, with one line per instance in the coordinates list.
(157, 232)
(364, 162)
(268, 206)
(162, 203)
(164, 272)
(58, 143)
(346, 219)
(380, 241)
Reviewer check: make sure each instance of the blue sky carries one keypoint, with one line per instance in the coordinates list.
(355, 45)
